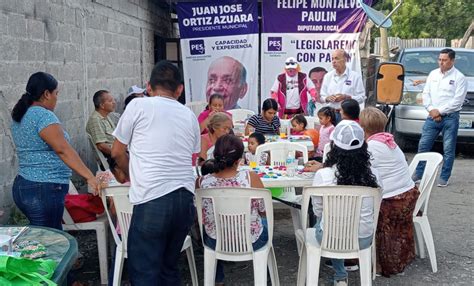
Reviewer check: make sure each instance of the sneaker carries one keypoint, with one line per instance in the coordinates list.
(348, 265)
(442, 183)
(342, 282)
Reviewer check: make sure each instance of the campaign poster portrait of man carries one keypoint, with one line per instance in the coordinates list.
(228, 77)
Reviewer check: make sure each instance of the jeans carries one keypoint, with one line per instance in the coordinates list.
(338, 117)
(42, 203)
(259, 243)
(156, 235)
(448, 126)
(338, 264)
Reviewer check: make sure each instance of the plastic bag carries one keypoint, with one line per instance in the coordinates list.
(22, 271)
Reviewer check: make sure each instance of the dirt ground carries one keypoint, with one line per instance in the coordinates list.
(451, 216)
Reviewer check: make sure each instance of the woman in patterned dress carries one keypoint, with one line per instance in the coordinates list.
(227, 155)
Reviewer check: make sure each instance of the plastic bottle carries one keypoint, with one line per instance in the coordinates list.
(290, 165)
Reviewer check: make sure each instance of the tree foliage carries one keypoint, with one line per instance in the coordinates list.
(447, 19)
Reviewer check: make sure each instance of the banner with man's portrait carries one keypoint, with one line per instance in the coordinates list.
(219, 47)
(309, 31)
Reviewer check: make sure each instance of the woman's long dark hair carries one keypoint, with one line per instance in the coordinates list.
(228, 150)
(37, 84)
(269, 103)
(353, 166)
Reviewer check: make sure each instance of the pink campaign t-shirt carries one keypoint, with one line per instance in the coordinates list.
(205, 114)
(324, 134)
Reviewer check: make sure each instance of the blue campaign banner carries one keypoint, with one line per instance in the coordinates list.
(219, 47)
(313, 16)
(217, 18)
(308, 31)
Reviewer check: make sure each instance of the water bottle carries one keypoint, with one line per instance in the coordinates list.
(290, 165)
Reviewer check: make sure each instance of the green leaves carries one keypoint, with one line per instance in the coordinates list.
(447, 19)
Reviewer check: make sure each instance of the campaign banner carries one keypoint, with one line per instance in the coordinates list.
(309, 31)
(219, 47)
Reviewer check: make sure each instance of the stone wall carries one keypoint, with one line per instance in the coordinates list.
(87, 45)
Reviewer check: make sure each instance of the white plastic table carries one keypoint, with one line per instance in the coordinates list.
(308, 143)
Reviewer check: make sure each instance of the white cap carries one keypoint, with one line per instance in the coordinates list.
(348, 135)
(291, 63)
(135, 89)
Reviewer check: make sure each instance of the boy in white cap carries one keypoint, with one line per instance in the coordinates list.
(290, 90)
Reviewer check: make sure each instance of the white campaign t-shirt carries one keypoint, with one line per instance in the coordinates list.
(292, 92)
(161, 134)
(392, 168)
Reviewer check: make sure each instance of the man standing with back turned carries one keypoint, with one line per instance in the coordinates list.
(443, 97)
(161, 135)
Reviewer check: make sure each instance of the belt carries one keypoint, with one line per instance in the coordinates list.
(293, 111)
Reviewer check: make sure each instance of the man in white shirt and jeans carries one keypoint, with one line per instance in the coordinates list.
(161, 135)
(341, 83)
(443, 97)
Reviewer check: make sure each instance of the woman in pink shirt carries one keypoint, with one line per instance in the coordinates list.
(216, 104)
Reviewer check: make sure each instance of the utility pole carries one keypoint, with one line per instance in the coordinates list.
(384, 45)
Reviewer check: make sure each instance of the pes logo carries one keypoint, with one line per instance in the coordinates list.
(197, 47)
(274, 44)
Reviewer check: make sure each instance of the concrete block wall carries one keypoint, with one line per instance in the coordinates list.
(87, 45)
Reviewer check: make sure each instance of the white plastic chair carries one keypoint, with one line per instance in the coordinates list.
(210, 152)
(99, 156)
(422, 224)
(239, 115)
(326, 150)
(124, 209)
(311, 120)
(233, 241)
(278, 155)
(279, 151)
(341, 213)
(197, 106)
(100, 226)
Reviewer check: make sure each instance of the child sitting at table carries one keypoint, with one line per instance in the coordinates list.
(327, 119)
(256, 139)
(216, 104)
(299, 124)
(350, 110)
(227, 155)
(267, 122)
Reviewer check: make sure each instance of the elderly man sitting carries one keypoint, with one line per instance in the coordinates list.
(101, 123)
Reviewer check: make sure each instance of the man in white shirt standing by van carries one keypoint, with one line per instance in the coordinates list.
(341, 83)
(161, 135)
(443, 96)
